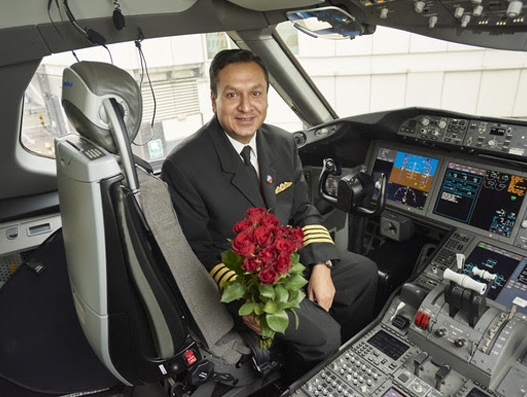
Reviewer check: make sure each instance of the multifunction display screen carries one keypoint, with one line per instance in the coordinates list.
(410, 176)
(486, 199)
(509, 269)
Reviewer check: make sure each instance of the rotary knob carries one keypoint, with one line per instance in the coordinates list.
(477, 11)
(419, 6)
(514, 9)
(440, 332)
(432, 21)
(441, 123)
(465, 19)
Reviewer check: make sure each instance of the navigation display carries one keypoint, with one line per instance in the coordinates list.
(486, 199)
(410, 176)
(509, 268)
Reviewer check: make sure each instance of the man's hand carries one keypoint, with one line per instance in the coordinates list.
(320, 288)
(252, 322)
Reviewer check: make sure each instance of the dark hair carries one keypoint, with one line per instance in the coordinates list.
(226, 57)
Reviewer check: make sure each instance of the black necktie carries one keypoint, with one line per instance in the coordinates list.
(246, 155)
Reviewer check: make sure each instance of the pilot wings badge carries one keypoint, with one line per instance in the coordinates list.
(281, 187)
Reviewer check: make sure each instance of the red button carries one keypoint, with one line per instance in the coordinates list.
(425, 321)
(418, 318)
(422, 320)
(190, 357)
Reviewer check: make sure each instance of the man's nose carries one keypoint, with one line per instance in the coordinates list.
(245, 103)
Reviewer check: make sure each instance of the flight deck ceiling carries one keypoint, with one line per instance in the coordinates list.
(488, 23)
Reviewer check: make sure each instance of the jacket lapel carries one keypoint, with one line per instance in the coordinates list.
(266, 161)
(232, 164)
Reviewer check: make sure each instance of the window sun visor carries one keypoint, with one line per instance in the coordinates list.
(328, 23)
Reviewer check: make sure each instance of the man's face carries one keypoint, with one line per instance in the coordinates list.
(241, 105)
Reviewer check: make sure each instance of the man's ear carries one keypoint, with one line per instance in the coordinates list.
(213, 101)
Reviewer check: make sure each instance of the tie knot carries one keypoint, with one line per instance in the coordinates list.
(246, 154)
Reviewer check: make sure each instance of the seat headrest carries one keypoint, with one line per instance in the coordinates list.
(84, 87)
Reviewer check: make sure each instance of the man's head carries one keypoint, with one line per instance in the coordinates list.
(239, 83)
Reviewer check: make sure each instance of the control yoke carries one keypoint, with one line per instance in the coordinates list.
(354, 191)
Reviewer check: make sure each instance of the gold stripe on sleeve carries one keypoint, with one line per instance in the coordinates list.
(316, 234)
(221, 273)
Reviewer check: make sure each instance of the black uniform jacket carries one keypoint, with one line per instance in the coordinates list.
(211, 190)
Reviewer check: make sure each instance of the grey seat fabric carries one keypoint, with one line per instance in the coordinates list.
(197, 287)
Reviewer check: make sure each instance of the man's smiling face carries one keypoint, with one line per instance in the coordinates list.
(241, 103)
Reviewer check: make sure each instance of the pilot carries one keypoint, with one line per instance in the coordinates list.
(211, 190)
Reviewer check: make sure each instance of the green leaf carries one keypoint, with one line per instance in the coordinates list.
(295, 258)
(247, 308)
(297, 320)
(258, 309)
(299, 297)
(232, 260)
(264, 328)
(267, 291)
(278, 321)
(232, 292)
(270, 307)
(296, 268)
(295, 283)
(282, 296)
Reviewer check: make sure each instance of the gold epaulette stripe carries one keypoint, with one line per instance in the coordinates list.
(221, 273)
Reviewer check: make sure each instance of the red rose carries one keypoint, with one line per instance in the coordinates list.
(283, 263)
(270, 220)
(242, 226)
(268, 276)
(262, 236)
(251, 264)
(297, 237)
(267, 255)
(243, 244)
(284, 245)
(255, 215)
(281, 231)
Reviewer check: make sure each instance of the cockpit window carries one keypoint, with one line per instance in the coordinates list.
(389, 69)
(176, 99)
(393, 69)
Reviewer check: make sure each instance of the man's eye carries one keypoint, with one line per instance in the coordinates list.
(231, 95)
(257, 93)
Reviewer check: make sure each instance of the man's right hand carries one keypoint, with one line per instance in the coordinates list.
(253, 323)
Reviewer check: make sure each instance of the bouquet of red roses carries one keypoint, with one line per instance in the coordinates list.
(269, 274)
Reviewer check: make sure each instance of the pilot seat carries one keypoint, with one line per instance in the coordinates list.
(148, 307)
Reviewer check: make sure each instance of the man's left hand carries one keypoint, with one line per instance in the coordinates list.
(320, 288)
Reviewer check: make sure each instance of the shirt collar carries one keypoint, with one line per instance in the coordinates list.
(238, 146)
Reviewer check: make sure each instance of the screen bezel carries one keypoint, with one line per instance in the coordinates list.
(452, 222)
(372, 155)
(500, 246)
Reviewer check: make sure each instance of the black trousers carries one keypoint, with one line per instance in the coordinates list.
(321, 333)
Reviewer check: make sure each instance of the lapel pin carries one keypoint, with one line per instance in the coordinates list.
(269, 179)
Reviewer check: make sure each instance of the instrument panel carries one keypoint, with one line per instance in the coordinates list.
(500, 137)
(458, 328)
(428, 344)
(483, 197)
